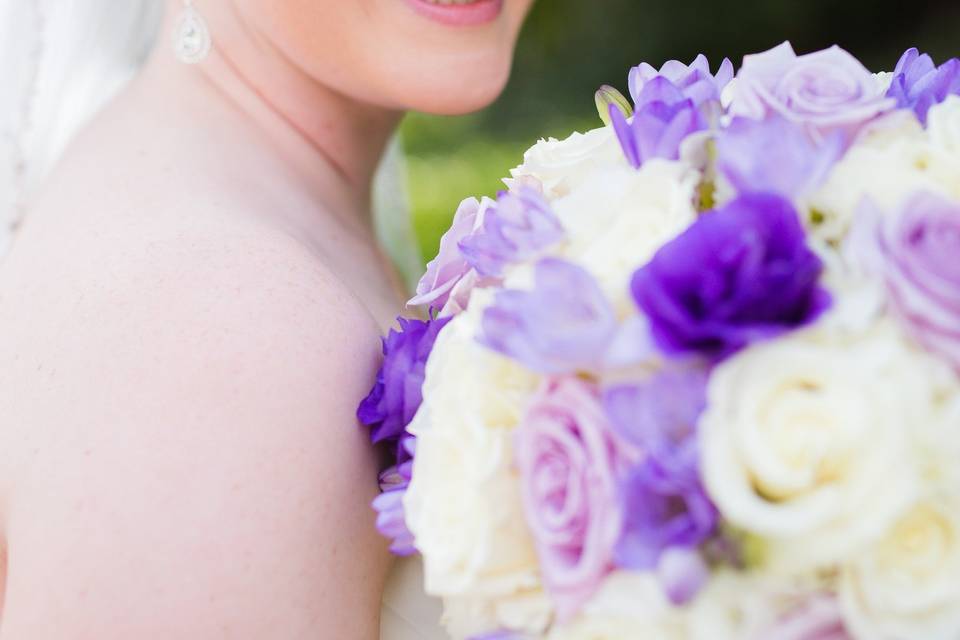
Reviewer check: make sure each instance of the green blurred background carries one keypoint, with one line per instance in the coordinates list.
(571, 47)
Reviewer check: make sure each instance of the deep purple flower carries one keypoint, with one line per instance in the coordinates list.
(694, 80)
(564, 324)
(664, 511)
(663, 120)
(388, 409)
(775, 155)
(668, 512)
(918, 83)
(519, 227)
(397, 393)
(660, 415)
(738, 274)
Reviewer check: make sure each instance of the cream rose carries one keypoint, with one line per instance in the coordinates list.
(562, 165)
(907, 584)
(467, 617)
(617, 220)
(943, 125)
(892, 160)
(751, 606)
(806, 441)
(628, 606)
(464, 506)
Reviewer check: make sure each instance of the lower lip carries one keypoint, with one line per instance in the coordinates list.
(459, 15)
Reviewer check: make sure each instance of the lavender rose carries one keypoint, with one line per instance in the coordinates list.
(919, 251)
(828, 90)
(918, 83)
(519, 227)
(568, 460)
(738, 274)
(449, 268)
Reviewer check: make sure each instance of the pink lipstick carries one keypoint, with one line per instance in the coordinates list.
(458, 13)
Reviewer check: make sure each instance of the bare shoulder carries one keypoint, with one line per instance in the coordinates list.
(189, 462)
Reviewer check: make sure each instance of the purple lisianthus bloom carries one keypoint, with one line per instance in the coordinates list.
(569, 459)
(663, 120)
(668, 514)
(694, 80)
(518, 227)
(775, 155)
(918, 83)
(918, 257)
(826, 91)
(738, 274)
(391, 519)
(564, 324)
(398, 392)
(449, 268)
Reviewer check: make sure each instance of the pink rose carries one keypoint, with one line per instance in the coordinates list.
(916, 252)
(568, 459)
(449, 268)
(827, 90)
(818, 618)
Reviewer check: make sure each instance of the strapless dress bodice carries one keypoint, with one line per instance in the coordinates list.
(408, 613)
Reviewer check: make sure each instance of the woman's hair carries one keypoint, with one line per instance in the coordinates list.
(60, 62)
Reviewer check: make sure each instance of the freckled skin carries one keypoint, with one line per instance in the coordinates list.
(188, 319)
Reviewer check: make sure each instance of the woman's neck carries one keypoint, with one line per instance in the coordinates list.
(333, 141)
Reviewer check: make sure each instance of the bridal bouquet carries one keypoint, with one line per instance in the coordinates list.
(696, 373)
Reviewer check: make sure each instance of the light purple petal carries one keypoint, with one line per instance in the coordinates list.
(776, 155)
(564, 324)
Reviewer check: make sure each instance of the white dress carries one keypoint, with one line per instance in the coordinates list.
(408, 613)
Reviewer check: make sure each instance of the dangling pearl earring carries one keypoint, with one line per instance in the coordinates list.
(191, 37)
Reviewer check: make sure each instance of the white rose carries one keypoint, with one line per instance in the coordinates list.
(626, 607)
(618, 219)
(468, 617)
(943, 125)
(806, 441)
(562, 165)
(754, 606)
(907, 585)
(463, 505)
(883, 79)
(893, 160)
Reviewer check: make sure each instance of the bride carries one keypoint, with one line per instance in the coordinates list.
(192, 310)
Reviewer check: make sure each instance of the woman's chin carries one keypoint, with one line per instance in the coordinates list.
(452, 94)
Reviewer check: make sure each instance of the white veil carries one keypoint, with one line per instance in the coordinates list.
(62, 60)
